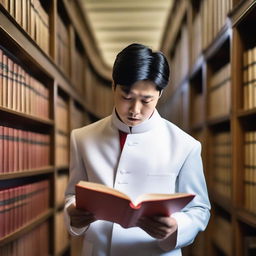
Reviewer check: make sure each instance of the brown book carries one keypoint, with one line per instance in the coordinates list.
(112, 205)
(1, 150)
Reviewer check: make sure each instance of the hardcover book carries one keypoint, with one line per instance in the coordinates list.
(112, 205)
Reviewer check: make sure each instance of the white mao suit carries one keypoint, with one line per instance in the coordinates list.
(157, 157)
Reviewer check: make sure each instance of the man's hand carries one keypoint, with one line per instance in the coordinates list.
(79, 218)
(158, 227)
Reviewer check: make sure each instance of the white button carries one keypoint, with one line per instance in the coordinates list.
(132, 143)
(124, 172)
(122, 182)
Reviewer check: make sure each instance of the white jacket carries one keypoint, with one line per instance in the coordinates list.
(157, 157)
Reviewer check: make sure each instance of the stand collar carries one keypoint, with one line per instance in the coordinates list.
(145, 126)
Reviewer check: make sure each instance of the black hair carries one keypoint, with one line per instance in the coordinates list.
(137, 62)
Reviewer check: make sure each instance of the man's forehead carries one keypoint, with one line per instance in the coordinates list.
(138, 92)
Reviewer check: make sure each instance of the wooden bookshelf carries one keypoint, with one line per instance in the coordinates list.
(222, 74)
(61, 63)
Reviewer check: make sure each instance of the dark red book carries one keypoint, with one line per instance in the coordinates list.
(112, 205)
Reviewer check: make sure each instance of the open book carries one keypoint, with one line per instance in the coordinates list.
(112, 205)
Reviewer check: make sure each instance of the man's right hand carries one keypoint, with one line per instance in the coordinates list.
(79, 218)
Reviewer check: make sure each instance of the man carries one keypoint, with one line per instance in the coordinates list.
(136, 151)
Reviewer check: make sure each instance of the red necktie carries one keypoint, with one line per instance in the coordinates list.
(122, 138)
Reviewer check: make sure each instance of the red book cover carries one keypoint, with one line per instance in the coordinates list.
(2, 220)
(5, 76)
(112, 205)
(5, 153)
(1, 149)
(11, 150)
(15, 86)
(20, 151)
(1, 77)
(9, 83)
(15, 150)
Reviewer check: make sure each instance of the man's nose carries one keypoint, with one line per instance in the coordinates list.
(135, 107)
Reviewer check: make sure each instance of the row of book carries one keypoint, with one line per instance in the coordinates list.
(179, 63)
(62, 115)
(61, 234)
(98, 96)
(78, 70)
(79, 117)
(22, 150)
(250, 170)
(220, 93)
(222, 234)
(221, 163)
(20, 91)
(35, 242)
(197, 105)
(249, 78)
(60, 187)
(63, 46)
(20, 205)
(213, 17)
(33, 18)
(62, 135)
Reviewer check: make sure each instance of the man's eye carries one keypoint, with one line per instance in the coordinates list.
(145, 102)
(126, 98)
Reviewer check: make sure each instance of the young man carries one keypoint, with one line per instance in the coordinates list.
(136, 151)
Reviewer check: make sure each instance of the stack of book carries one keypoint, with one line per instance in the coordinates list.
(20, 205)
(221, 164)
(62, 138)
(33, 18)
(22, 150)
(220, 93)
(249, 78)
(250, 171)
(20, 91)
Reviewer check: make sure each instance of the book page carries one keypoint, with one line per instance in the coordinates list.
(103, 188)
(156, 197)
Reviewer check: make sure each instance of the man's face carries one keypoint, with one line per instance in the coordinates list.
(138, 104)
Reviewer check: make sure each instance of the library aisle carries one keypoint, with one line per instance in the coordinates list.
(53, 79)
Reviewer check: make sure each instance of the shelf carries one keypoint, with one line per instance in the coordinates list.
(18, 119)
(12, 37)
(26, 173)
(223, 202)
(197, 67)
(246, 113)
(219, 41)
(26, 228)
(240, 11)
(247, 217)
(218, 121)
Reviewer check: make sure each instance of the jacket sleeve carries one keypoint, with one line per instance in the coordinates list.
(195, 216)
(77, 172)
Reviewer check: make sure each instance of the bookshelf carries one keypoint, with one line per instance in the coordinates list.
(48, 62)
(220, 113)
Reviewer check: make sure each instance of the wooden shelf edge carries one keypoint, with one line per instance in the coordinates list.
(26, 173)
(224, 202)
(223, 35)
(198, 65)
(247, 217)
(16, 114)
(26, 228)
(240, 11)
(218, 120)
(246, 113)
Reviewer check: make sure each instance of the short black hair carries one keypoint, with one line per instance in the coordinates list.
(138, 62)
